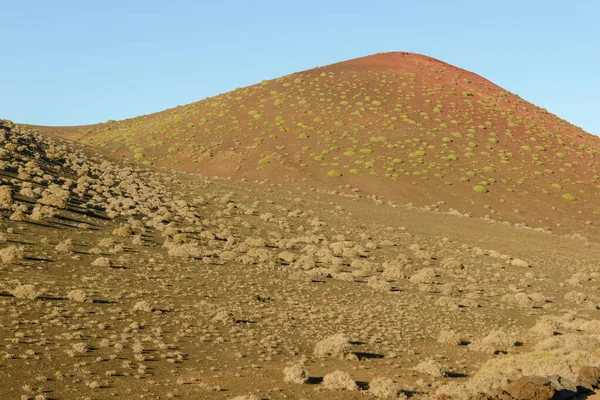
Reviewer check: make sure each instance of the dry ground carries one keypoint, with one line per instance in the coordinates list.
(123, 282)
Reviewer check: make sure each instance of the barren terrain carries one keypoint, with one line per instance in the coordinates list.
(402, 127)
(232, 267)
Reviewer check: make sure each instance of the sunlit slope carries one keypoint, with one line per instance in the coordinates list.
(399, 125)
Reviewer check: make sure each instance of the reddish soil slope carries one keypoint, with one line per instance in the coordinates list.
(399, 126)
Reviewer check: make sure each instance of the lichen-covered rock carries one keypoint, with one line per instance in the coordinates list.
(336, 346)
(143, 306)
(6, 200)
(11, 254)
(384, 388)
(339, 380)
(25, 292)
(295, 374)
(102, 262)
(77, 295)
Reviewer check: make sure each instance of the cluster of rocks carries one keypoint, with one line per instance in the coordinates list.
(547, 388)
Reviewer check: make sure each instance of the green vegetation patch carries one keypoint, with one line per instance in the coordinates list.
(265, 160)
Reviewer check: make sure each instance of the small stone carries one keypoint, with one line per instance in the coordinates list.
(77, 295)
(143, 306)
(102, 262)
(517, 262)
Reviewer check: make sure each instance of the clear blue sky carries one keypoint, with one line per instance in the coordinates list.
(77, 62)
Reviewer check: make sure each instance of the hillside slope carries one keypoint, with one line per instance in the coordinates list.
(119, 281)
(402, 127)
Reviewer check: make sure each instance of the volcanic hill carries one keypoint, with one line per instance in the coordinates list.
(392, 227)
(401, 127)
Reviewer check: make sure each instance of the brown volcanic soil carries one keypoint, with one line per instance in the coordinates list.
(403, 127)
(121, 281)
(124, 275)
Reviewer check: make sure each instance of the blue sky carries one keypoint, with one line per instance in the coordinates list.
(77, 62)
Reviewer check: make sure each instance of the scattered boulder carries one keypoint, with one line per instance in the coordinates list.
(295, 374)
(498, 340)
(379, 284)
(186, 250)
(452, 264)
(55, 196)
(449, 337)
(589, 375)
(65, 246)
(531, 388)
(384, 388)
(578, 278)
(339, 380)
(255, 242)
(425, 275)
(102, 262)
(40, 213)
(286, 257)
(143, 306)
(11, 254)
(25, 292)
(6, 200)
(566, 388)
(336, 346)
(517, 262)
(431, 368)
(77, 295)
(224, 316)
